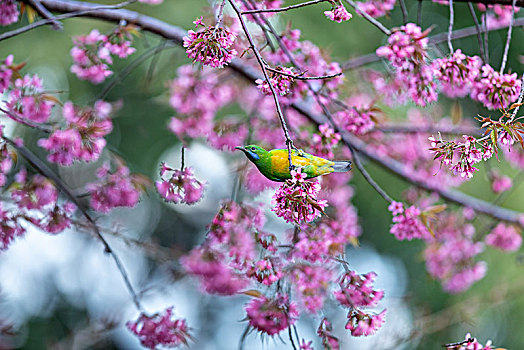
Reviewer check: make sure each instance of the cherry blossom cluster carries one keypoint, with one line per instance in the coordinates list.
(499, 15)
(469, 343)
(457, 73)
(196, 96)
(280, 82)
(325, 141)
(376, 8)
(180, 187)
(296, 200)
(356, 120)
(114, 189)
(450, 256)
(160, 330)
(32, 199)
(496, 90)
(505, 237)
(407, 222)
(92, 53)
(356, 292)
(26, 97)
(406, 51)
(466, 152)
(82, 138)
(8, 12)
(271, 315)
(338, 12)
(211, 45)
(260, 5)
(325, 332)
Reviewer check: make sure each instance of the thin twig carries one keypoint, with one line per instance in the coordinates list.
(220, 13)
(486, 36)
(477, 27)
(508, 39)
(89, 8)
(41, 127)
(42, 11)
(182, 158)
(43, 169)
(283, 9)
(369, 18)
(367, 176)
(429, 129)
(450, 28)
(289, 142)
(300, 76)
(404, 11)
(419, 13)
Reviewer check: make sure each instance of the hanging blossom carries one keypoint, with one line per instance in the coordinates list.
(37, 193)
(160, 330)
(8, 12)
(500, 183)
(406, 222)
(338, 12)
(180, 187)
(280, 82)
(6, 73)
(323, 142)
(469, 343)
(271, 315)
(499, 16)
(468, 154)
(83, 136)
(91, 53)
(211, 45)
(325, 332)
(296, 200)
(10, 227)
(496, 90)
(311, 283)
(356, 291)
(213, 272)
(356, 121)
(117, 189)
(504, 237)
(27, 100)
(376, 8)
(406, 51)
(450, 259)
(457, 73)
(265, 272)
(196, 96)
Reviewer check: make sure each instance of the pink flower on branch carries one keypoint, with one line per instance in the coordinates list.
(325, 332)
(27, 99)
(457, 73)
(8, 12)
(271, 316)
(363, 324)
(116, 189)
(280, 82)
(496, 90)
(180, 187)
(407, 222)
(505, 237)
(338, 13)
(211, 46)
(160, 330)
(296, 200)
(376, 8)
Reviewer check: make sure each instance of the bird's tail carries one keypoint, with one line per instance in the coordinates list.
(342, 166)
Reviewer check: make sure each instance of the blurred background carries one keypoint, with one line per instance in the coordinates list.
(63, 292)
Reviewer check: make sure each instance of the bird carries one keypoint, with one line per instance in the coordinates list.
(274, 164)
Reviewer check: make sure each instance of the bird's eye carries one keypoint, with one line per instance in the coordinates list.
(253, 148)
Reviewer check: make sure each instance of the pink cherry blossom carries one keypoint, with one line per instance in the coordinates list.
(160, 330)
(457, 73)
(496, 90)
(504, 237)
(6, 73)
(357, 290)
(325, 332)
(117, 189)
(280, 82)
(8, 12)
(406, 222)
(296, 200)
(376, 8)
(181, 186)
(338, 13)
(27, 99)
(211, 46)
(271, 315)
(363, 324)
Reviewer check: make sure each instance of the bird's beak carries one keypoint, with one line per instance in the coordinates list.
(240, 148)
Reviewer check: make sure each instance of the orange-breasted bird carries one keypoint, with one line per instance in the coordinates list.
(274, 164)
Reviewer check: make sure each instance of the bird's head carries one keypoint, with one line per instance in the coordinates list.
(253, 152)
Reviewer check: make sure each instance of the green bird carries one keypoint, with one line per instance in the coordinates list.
(274, 164)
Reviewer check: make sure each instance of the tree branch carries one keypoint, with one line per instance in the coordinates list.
(176, 34)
